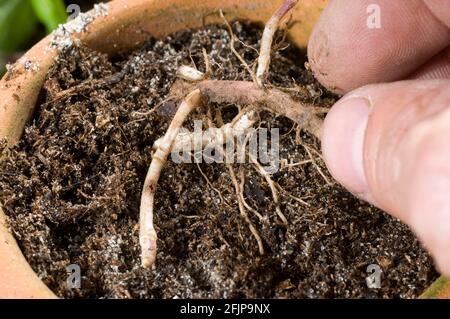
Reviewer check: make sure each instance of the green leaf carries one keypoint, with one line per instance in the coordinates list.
(2, 65)
(439, 289)
(17, 24)
(50, 12)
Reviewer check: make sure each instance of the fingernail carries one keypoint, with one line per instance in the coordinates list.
(343, 142)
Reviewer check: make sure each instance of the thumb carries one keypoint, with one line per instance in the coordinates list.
(390, 144)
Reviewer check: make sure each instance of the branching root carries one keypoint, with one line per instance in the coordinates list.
(242, 210)
(194, 88)
(272, 187)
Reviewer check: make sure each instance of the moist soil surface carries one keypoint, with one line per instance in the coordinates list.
(71, 188)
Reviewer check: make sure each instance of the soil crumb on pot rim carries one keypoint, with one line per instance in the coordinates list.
(61, 37)
(71, 188)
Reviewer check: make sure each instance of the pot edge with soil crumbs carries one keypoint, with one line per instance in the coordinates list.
(71, 188)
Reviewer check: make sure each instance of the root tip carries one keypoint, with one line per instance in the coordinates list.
(148, 250)
(148, 261)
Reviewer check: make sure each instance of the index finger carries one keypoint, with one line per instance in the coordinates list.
(369, 41)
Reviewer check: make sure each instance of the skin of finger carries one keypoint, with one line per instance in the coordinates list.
(436, 68)
(429, 201)
(344, 53)
(441, 9)
(406, 158)
(397, 109)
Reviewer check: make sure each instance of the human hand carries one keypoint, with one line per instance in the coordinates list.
(389, 142)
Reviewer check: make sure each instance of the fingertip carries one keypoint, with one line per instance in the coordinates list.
(345, 52)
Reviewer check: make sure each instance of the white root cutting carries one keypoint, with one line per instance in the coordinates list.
(147, 233)
(213, 136)
(190, 74)
(267, 39)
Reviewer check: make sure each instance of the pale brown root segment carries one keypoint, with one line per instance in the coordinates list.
(242, 210)
(147, 233)
(248, 93)
(246, 205)
(273, 189)
(233, 49)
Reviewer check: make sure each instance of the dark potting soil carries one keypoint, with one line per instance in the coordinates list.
(71, 188)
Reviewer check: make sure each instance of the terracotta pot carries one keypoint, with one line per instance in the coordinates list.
(128, 23)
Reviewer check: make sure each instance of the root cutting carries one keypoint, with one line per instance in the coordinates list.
(196, 88)
(147, 233)
(267, 40)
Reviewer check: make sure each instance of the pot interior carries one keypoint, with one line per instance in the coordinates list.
(126, 25)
